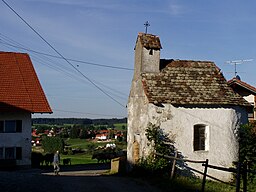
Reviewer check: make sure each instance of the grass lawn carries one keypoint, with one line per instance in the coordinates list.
(83, 143)
(184, 184)
(86, 157)
(78, 143)
(76, 159)
(119, 126)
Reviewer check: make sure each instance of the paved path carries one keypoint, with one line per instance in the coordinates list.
(74, 178)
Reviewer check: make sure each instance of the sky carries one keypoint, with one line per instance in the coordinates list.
(101, 35)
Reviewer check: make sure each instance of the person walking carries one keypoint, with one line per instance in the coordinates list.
(56, 162)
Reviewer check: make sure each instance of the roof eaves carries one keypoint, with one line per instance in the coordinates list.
(242, 84)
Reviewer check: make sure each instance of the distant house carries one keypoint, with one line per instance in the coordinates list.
(102, 135)
(21, 95)
(190, 100)
(248, 92)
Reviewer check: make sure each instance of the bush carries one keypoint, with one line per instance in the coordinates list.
(160, 143)
(36, 159)
(247, 146)
(52, 144)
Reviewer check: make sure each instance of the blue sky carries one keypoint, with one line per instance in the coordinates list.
(104, 32)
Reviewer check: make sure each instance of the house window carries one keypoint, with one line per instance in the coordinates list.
(200, 138)
(18, 153)
(11, 153)
(11, 126)
(1, 153)
(1, 126)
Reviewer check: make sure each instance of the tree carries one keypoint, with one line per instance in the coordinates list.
(83, 133)
(41, 128)
(247, 144)
(52, 144)
(64, 133)
(74, 132)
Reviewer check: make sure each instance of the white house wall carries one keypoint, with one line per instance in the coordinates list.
(221, 129)
(250, 99)
(22, 139)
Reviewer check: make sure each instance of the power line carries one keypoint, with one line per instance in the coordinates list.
(74, 60)
(88, 79)
(67, 71)
(96, 114)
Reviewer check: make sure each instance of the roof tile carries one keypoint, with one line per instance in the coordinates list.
(149, 41)
(19, 84)
(190, 82)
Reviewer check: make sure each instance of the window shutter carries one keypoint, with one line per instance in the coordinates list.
(18, 153)
(19, 126)
(1, 126)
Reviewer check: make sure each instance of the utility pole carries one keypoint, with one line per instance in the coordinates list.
(146, 26)
(235, 62)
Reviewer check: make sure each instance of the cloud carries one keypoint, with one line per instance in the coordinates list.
(175, 9)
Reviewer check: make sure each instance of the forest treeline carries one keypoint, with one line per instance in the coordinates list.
(80, 121)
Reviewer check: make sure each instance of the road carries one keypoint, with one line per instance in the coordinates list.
(73, 178)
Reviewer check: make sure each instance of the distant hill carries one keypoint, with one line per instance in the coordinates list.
(80, 121)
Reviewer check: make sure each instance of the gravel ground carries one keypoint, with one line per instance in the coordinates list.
(73, 178)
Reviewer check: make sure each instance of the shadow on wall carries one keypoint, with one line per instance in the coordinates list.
(160, 166)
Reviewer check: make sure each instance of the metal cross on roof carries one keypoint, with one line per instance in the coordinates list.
(146, 26)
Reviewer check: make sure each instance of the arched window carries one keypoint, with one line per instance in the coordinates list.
(200, 138)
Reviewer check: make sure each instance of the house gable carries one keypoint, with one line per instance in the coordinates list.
(241, 87)
(248, 92)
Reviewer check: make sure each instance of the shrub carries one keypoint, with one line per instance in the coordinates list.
(160, 143)
(52, 144)
(247, 146)
(36, 158)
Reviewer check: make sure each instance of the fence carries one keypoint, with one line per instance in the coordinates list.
(241, 169)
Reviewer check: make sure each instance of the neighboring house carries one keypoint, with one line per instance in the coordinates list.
(190, 100)
(21, 95)
(248, 92)
(102, 135)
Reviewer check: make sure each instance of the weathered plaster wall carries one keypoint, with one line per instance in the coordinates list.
(137, 120)
(22, 139)
(222, 125)
(144, 61)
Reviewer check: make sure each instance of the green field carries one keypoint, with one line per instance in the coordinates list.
(88, 146)
(78, 159)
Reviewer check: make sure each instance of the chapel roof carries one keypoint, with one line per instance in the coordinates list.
(184, 82)
(149, 41)
(19, 85)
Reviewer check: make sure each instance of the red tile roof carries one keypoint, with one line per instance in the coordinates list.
(233, 82)
(19, 85)
(184, 82)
